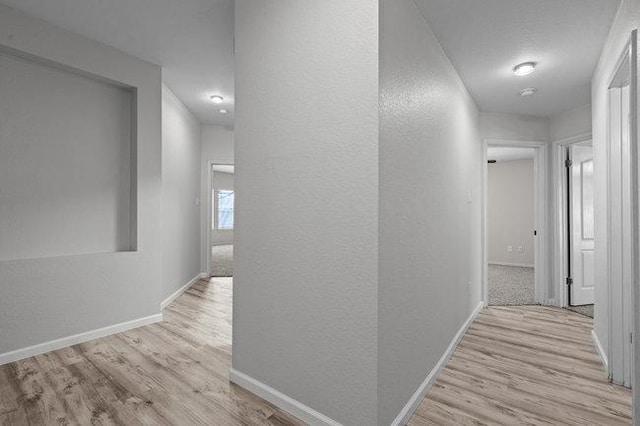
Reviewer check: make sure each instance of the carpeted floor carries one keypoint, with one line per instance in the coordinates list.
(222, 261)
(511, 285)
(583, 309)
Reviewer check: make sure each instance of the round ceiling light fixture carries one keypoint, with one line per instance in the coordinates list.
(528, 91)
(216, 99)
(524, 68)
(223, 111)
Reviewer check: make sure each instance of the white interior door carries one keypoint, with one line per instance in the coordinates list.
(581, 225)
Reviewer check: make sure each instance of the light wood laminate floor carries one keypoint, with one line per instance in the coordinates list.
(532, 365)
(171, 373)
(516, 365)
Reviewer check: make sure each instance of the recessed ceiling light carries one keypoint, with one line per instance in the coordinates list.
(216, 99)
(223, 111)
(524, 68)
(528, 91)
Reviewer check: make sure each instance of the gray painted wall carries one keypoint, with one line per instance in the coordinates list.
(495, 125)
(571, 123)
(306, 241)
(430, 174)
(64, 162)
(510, 212)
(180, 189)
(54, 297)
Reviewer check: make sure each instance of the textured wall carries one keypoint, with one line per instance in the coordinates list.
(571, 123)
(430, 174)
(306, 151)
(510, 212)
(51, 298)
(513, 127)
(180, 188)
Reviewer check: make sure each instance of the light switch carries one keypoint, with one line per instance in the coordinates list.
(509, 249)
(520, 250)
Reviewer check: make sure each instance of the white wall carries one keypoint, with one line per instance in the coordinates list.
(306, 242)
(54, 297)
(65, 185)
(510, 212)
(180, 189)
(514, 127)
(571, 123)
(627, 19)
(217, 147)
(221, 180)
(430, 174)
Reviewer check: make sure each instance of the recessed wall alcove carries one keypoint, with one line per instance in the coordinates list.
(67, 161)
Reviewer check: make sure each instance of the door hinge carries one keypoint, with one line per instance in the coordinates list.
(569, 281)
(631, 338)
(535, 232)
(567, 163)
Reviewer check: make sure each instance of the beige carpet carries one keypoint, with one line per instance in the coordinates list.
(222, 261)
(511, 285)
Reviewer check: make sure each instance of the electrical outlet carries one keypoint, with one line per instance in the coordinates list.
(510, 249)
(520, 249)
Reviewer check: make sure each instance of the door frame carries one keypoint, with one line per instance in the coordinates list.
(210, 212)
(541, 255)
(623, 293)
(561, 216)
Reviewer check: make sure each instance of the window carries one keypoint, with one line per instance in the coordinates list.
(224, 200)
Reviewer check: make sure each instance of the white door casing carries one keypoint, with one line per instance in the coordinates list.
(581, 225)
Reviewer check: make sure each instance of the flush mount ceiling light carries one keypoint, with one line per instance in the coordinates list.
(528, 91)
(216, 99)
(524, 68)
(223, 111)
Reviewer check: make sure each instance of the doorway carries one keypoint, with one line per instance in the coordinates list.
(221, 220)
(514, 255)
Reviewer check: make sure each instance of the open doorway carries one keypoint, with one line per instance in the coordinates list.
(221, 220)
(515, 221)
(511, 225)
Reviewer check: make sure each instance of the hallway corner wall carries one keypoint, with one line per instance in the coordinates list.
(430, 209)
(627, 20)
(180, 189)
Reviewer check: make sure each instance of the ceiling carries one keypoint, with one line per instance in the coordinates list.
(502, 154)
(486, 39)
(191, 39)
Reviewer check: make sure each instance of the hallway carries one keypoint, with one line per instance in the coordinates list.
(525, 365)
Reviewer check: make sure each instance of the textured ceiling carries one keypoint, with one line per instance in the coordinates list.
(191, 39)
(484, 39)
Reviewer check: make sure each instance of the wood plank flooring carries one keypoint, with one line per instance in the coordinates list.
(171, 373)
(533, 365)
(516, 365)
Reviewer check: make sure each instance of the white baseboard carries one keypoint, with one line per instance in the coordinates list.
(600, 349)
(280, 400)
(166, 302)
(411, 406)
(520, 265)
(549, 302)
(64, 342)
